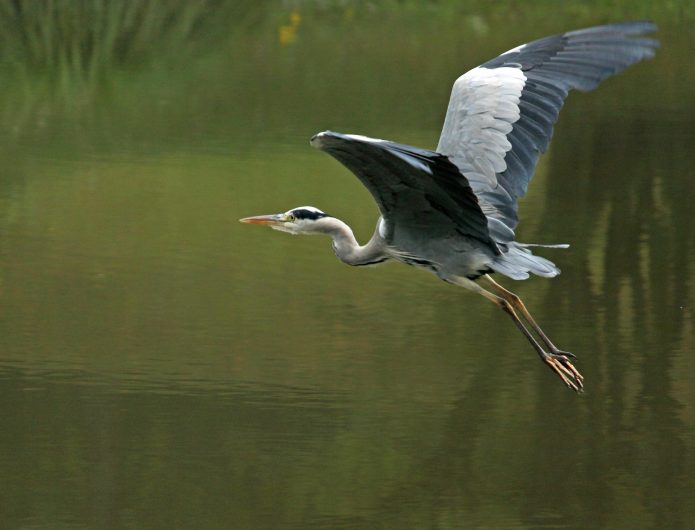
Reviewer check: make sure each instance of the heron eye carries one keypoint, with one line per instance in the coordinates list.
(291, 218)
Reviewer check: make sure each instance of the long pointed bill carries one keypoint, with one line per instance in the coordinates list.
(263, 220)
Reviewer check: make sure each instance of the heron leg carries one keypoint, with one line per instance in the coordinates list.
(558, 362)
(518, 304)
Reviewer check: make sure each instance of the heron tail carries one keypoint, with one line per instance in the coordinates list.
(556, 245)
(517, 262)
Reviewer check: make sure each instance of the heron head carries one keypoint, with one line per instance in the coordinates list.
(302, 220)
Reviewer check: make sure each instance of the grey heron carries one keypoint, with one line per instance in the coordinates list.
(453, 211)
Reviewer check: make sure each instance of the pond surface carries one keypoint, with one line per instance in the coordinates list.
(163, 366)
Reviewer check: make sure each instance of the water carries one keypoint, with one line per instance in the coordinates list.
(163, 366)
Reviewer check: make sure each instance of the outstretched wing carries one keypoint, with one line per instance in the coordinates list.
(415, 189)
(501, 114)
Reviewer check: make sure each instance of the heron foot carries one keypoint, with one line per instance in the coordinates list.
(561, 365)
(570, 355)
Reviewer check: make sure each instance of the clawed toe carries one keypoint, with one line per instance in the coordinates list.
(561, 365)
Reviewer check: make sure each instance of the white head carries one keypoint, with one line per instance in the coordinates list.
(301, 220)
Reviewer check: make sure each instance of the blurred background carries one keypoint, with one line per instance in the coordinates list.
(163, 366)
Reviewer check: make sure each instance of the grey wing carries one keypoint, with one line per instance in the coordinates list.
(501, 114)
(416, 190)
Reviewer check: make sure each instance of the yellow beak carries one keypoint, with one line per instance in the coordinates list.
(263, 220)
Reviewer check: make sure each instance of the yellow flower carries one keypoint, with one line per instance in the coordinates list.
(287, 33)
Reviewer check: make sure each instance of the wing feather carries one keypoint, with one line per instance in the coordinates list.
(411, 184)
(501, 114)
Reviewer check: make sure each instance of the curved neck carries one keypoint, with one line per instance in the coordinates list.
(348, 249)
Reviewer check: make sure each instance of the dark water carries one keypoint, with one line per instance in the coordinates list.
(163, 366)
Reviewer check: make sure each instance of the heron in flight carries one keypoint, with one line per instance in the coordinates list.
(453, 211)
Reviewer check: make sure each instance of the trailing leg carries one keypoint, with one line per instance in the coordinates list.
(557, 361)
(518, 304)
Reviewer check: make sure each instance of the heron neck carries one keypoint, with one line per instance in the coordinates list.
(349, 250)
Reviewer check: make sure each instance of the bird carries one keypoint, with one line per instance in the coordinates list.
(453, 211)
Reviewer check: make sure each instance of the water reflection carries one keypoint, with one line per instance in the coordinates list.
(162, 366)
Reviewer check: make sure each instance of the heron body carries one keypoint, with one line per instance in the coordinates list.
(453, 211)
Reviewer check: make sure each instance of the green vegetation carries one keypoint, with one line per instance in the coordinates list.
(82, 38)
(63, 59)
(81, 42)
